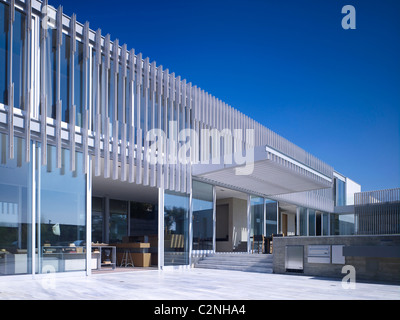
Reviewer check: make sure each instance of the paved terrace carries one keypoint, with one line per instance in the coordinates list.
(194, 284)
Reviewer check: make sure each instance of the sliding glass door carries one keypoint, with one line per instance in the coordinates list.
(176, 228)
(61, 214)
(203, 212)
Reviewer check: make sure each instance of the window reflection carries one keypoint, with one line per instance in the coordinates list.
(118, 220)
(311, 222)
(256, 221)
(176, 229)
(18, 56)
(65, 71)
(303, 222)
(79, 83)
(50, 72)
(61, 214)
(15, 211)
(271, 217)
(4, 23)
(97, 220)
(19, 69)
(340, 192)
(202, 204)
(342, 224)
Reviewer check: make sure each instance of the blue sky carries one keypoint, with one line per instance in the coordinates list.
(288, 64)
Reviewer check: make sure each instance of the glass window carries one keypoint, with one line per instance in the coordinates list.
(303, 222)
(311, 222)
(15, 210)
(128, 121)
(65, 72)
(256, 220)
(50, 72)
(143, 219)
(4, 42)
(342, 224)
(203, 222)
(79, 85)
(118, 220)
(18, 56)
(340, 192)
(271, 217)
(97, 220)
(95, 89)
(19, 69)
(346, 224)
(325, 224)
(103, 77)
(61, 214)
(176, 228)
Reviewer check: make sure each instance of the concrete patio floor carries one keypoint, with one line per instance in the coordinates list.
(192, 284)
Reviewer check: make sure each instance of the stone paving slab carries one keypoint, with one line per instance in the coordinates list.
(192, 284)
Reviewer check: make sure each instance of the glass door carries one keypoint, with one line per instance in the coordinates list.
(256, 223)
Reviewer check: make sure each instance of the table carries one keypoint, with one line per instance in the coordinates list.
(139, 252)
(101, 263)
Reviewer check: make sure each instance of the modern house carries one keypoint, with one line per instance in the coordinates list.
(99, 145)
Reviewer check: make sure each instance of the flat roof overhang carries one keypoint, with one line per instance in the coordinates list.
(274, 174)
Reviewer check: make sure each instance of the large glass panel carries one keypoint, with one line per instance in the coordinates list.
(340, 192)
(95, 101)
(271, 217)
(4, 22)
(334, 223)
(97, 220)
(19, 69)
(318, 223)
(65, 72)
(118, 220)
(176, 228)
(50, 72)
(346, 224)
(61, 214)
(143, 226)
(79, 83)
(325, 224)
(143, 219)
(311, 222)
(15, 210)
(202, 207)
(303, 222)
(18, 56)
(342, 224)
(256, 221)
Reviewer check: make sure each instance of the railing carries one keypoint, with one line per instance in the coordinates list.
(377, 197)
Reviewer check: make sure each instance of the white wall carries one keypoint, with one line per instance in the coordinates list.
(351, 188)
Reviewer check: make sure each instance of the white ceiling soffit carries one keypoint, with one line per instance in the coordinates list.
(273, 174)
(119, 190)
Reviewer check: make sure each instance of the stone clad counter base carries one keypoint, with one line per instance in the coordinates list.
(373, 267)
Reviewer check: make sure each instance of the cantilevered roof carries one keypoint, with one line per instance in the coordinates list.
(273, 174)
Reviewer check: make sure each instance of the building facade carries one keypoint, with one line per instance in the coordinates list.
(101, 145)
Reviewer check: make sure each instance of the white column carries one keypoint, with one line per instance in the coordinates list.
(88, 217)
(298, 221)
(248, 223)
(160, 228)
(214, 219)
